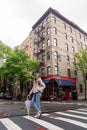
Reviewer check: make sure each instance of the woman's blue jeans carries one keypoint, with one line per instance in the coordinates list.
(36, 101)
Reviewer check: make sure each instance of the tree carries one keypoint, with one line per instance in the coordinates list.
(81, 65)
(18, 67)
(4, 52)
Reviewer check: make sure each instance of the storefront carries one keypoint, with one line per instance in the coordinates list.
(59, 88)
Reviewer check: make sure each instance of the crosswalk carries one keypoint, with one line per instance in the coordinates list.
(65, 120)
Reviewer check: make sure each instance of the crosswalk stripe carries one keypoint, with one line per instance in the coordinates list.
(82, 109)
(9, 124)
(85, 113)
(45, 124)
(78, 123)
(71, 115)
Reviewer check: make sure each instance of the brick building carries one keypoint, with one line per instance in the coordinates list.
(53, 41)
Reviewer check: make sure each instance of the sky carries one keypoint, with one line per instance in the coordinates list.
(18, 16)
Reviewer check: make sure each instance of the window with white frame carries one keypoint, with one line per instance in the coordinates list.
(54, 20)
(80, 35)
(48, 70)
(71, 39)
(70, 29)
(55, 42)
(48, 42)
(48, 31)
(54, 30)
(56, 55)
(73, 49)
(81, 44)
(64, 25)
(65, 36)
(48, 55)
(56, 69)
(66, 47)
(67, 59)
(48, 19)
(68, 72)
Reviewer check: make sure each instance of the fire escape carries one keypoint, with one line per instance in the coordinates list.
(39, 46)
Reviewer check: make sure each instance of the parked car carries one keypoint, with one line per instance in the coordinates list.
(2, 96)
(5, 96)
(8, 96)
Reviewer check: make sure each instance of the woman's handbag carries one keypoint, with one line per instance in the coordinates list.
(28, 104)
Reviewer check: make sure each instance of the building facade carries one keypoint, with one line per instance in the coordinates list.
(53, 41)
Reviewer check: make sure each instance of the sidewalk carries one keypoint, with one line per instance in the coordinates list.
(16, 108)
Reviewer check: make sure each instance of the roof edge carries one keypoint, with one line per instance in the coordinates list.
(56, 13)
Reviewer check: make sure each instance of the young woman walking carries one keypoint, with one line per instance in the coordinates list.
(37, 89)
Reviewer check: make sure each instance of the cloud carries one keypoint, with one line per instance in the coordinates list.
(18, 16)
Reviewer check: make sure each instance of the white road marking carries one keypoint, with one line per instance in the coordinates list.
(70, 115)
(78, 123)
(9, 124)
(45, 124)
(83, 109)
(85, 113)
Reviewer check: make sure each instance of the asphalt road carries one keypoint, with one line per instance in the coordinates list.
(67, 115)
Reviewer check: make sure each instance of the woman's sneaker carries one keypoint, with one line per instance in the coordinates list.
(38, 115)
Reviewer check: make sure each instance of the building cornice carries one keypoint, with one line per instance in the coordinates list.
(57, 14)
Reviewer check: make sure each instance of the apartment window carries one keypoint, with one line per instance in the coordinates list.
(67, 59)
(64, 26)
(48, 70)
(54, 20)
(75, 72)
(55, 41)
(54, 30)
(56, 55)
(73, 49)
(68, 72)
(56, 69)
(74, 59)
(35, 50)
(48, 55)
(48, 31)
(48, 19)
(71, 39)
(42, 71)
(81, 88)
(70, 29)
(81, 44)
(48, 42)
(43, 34)
(43, 45)
(66, 47)
(80, 35)
(65, 36)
